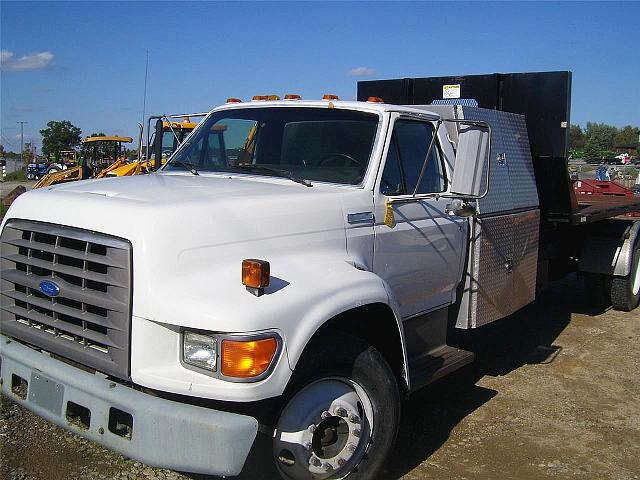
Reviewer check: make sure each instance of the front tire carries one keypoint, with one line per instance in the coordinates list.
(341, 413)
(625, 291)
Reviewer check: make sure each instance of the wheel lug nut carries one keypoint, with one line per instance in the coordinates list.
(342, 462)
(351, 448)
(308, 446)
(356, 432)
(312, 428)
(354, 418)
(341, 412)
(325, 415)
(328, 467)
(315, 461)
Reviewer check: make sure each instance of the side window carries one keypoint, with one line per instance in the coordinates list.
(392, 182)
(412, 140)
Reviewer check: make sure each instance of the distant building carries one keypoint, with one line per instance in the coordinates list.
(629, 148)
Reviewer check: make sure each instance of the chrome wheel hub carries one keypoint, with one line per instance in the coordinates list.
(324, 431)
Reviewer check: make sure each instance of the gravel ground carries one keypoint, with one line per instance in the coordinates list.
(553, 395)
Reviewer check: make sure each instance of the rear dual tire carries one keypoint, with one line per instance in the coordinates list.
(621, 293)
(625, 291)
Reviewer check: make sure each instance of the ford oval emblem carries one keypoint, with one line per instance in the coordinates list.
(49, 288)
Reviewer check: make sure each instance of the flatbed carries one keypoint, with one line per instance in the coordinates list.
(597, 208)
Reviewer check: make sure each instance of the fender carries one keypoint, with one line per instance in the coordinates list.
(347, 287)
(609, 250)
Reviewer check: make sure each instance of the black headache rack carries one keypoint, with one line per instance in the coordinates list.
(544, 98)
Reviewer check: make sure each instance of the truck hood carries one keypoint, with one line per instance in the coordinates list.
(190, 232)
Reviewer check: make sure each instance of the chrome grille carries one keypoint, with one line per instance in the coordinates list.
(89, 320)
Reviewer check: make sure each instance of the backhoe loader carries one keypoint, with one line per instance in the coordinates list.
(104, 156)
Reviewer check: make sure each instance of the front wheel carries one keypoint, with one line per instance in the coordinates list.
(342, 413)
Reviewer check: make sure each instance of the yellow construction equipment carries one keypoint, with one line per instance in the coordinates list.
(170, 134)
(96, 154)
(104, 156)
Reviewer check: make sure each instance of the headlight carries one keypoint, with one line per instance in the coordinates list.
(200, 350)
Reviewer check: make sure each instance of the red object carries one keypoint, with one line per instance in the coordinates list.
(586, 189)
(600, 187)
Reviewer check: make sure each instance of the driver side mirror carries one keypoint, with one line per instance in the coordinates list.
(471, 169)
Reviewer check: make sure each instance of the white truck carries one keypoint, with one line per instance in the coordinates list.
(291, 272)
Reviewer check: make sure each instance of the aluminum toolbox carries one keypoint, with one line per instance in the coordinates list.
(501, 268)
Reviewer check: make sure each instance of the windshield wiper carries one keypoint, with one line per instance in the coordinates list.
(277, 171)
(186, 165)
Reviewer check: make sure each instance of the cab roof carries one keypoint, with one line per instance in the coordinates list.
(342, 104)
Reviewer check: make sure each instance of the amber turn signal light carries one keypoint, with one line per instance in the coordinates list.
(255, 275)
(233, 100)
(328, 96)
(375, 100)
(247, 359)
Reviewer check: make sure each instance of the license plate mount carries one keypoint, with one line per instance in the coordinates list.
(46, 393)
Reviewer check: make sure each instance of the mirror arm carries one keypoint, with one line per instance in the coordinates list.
(426, 158)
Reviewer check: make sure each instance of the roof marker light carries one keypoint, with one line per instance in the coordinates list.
(233, 100)
(375, 100)
(273, 97)
(328, 96)
(260, 98)
(292, 96)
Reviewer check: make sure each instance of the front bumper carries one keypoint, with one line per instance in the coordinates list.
(163, 433)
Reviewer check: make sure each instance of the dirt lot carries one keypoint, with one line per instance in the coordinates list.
(553, 395)
(6, 187)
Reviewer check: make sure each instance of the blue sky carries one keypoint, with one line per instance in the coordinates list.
(84, 62)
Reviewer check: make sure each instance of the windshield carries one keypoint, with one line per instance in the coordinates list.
(324, 144)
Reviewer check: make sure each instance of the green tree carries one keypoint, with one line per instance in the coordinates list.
(577, 139)
(59, 135)
(599, 140)
(627, 135)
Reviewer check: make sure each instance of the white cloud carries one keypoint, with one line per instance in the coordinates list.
(361, 72)
(5, 55)
(33, 61)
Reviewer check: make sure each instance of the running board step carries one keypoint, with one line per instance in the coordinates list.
(430, 367)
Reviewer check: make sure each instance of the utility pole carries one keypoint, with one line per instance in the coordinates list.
(144, 99)
(21, 140)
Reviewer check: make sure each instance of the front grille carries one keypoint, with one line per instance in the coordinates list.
(89, 320)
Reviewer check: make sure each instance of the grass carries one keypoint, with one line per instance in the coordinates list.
(17, 176)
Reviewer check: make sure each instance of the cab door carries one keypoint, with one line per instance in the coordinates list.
(420, 252)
